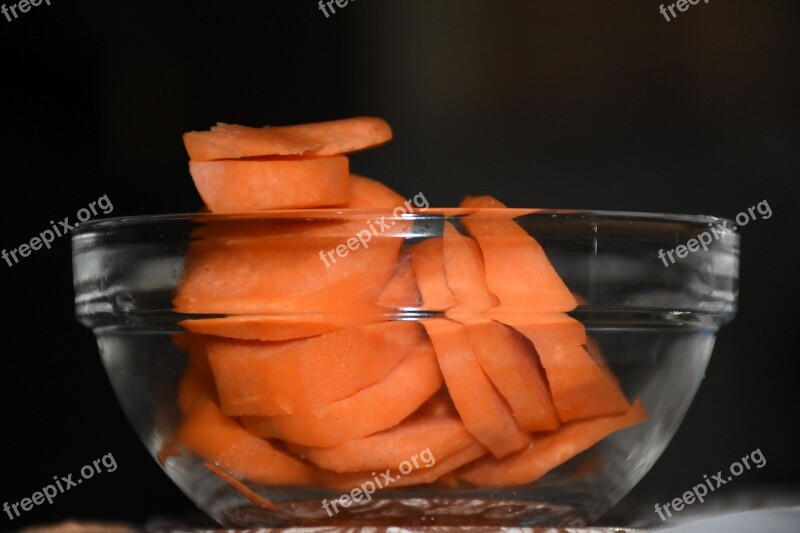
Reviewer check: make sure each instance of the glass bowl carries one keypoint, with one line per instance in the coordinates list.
(651, 305)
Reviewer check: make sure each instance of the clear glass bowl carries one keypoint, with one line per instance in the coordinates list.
(655, 324)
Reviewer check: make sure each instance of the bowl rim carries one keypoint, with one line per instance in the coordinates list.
(423, 214)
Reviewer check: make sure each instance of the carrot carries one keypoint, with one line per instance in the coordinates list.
(549, 450)
(424, 472)
(284, 274)
(372, 409)
(517, 269)
(484, 412)
(466, 275)
(197, 382)
(240, 487)
(580, 388)
(427, 261)
(280, 327)
(229, 141)
(220, 440)
(547, 331)
(367, 193)
(513, 367)
(278, 378)
(247, 186)
(439, 436)
(402, 290)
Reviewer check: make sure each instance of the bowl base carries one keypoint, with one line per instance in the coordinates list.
(408, 512)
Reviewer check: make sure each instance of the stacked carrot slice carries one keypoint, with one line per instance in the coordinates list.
(305, 381)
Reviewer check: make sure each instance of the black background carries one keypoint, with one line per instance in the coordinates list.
(585, 104)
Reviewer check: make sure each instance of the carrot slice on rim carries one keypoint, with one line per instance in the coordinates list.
(280, 327)
(229, 187)
(286, 274)
(230, 141)
(517, 269)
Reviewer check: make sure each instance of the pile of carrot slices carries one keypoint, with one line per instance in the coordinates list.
(304, 381)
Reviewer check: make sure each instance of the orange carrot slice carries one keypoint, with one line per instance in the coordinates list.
(483, 411)
(424, 472)
(280, 328)
(367, 194)
(240, 487)
(402, 290)
(465, 271)
(277, 378)
(517, 269)
(230, 141)
(549, 450)
(580, 388)
(220, 440)
(370, 410)
(437, 436)
(249, 186)
(197, 382)
(513, 367)
(288, 274)
(427, 261)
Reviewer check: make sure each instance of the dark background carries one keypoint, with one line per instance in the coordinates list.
(601, 105)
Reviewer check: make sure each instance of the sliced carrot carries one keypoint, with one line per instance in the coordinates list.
(197, 382)
(281, 327)
(402, 290)
(370, 410)
(277, 378)
(425, 472)
(550, 450)
(220, 440)
(513, 367)
(484, 412)
(548, 331)
(367, 193)
(466, 275)
(284, 275)
(440, 404)
(248, 186)
(230, 141)
(427, 260)
(240, 487)
(517, 269)
(580, 388)
(437, 436)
